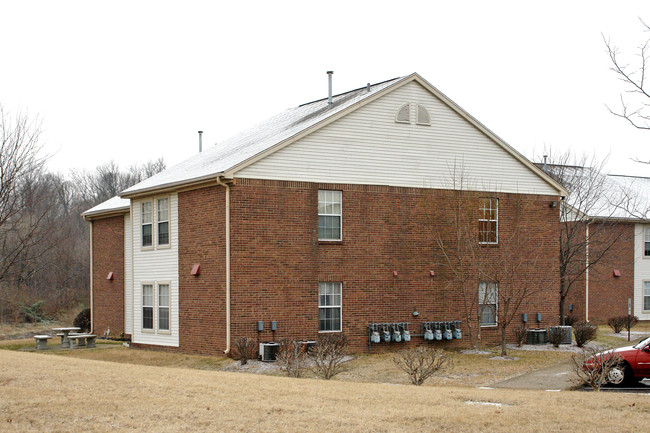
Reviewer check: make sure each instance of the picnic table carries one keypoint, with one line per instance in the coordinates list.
(65, 340)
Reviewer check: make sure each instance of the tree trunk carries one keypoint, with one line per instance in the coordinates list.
(563, 294)
(503, 341)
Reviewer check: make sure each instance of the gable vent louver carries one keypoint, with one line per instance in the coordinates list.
(404, 114)
(423, 116)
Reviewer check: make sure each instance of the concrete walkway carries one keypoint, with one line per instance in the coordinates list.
(558, 377)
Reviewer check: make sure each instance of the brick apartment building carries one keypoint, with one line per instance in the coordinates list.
(324, 218)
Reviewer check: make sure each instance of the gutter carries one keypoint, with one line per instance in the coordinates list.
(587, 271)
(92, 309)
(226, 183)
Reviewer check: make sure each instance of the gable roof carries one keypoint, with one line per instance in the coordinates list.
(225, 158)
(113, 205)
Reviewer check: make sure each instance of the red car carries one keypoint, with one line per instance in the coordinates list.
(635, 366)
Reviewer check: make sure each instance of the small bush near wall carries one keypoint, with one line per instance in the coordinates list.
(617, 323)
(633, 321)
(83, 320)
(593, 366)
(292, 357)
(520, 335)
(329, 354)
(555, 335)
(584, 332)
(246, 348)
(421, 362)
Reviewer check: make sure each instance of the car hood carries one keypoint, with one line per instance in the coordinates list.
(621, 349)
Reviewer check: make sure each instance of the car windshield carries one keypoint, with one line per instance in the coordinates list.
(643, 343)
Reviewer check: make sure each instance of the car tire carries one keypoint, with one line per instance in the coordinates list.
(620, 375)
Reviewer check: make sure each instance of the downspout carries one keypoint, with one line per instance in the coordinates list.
(587, 273)
(92, 309)
(220, 181)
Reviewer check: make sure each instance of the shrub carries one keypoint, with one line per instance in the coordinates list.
(33, 313)
(569, 320)
(82, 320)
(592, 366)
(584, 332)
(421, 363)
(555, 335)
(520, 335)
(617, 323)
(329, 354)
(292, 357)
(246, 348)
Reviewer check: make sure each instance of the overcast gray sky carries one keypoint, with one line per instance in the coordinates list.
(136, 80)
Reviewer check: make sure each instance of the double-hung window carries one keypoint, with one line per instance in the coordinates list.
(163, 221)
(329, 215)
(155, 307)
(154, 216)
(646, 296)
(147, 224)
(329, 307)
(147, 307)
(646, 243)
(487, 303)
(488, 221)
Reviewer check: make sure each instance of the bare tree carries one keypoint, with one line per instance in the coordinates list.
(588, 217)
(493, 282)
(420, 363)
(635, 105)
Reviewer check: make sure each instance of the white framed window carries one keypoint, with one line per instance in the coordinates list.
(403, 114)
(487, 303)
(163, 221)
(488, 221)
(646, 243)
(646, 296)
(423, 117)
(156, 307)
(147, 307)
(329, 215)
(329, 307)
(147, 223)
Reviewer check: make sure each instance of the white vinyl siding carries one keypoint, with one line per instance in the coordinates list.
(157, 266)
(128, 276)
(369, 147)
(641, 271)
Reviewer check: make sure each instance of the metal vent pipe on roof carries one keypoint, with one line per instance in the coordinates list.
(200, 141)
(329, 94)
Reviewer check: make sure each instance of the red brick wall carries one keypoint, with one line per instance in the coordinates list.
(278, 261)
(608, 295)
(108, 256)
(201, 239)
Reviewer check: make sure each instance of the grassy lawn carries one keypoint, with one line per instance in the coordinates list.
(55, 393)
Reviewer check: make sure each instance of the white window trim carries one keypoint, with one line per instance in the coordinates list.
(496, 305)
(646, 233)
(155, 330)
(340, 307)
(340, 215)
(488, 220)
(643, 296)
(154, 223)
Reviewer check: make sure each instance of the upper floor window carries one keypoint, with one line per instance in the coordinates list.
(646, 243)
(147, 224)
(163, 221)
(487, 303)
(329, 215)
(488, 221)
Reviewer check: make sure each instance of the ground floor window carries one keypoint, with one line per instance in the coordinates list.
(646, 296)
(155, 307)
(329, 307)
(487, 303)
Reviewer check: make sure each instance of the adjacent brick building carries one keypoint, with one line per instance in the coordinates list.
(326, 218)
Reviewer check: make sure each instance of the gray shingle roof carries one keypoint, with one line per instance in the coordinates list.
(240, 148)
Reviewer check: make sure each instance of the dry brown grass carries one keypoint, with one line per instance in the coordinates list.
(50, 393)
